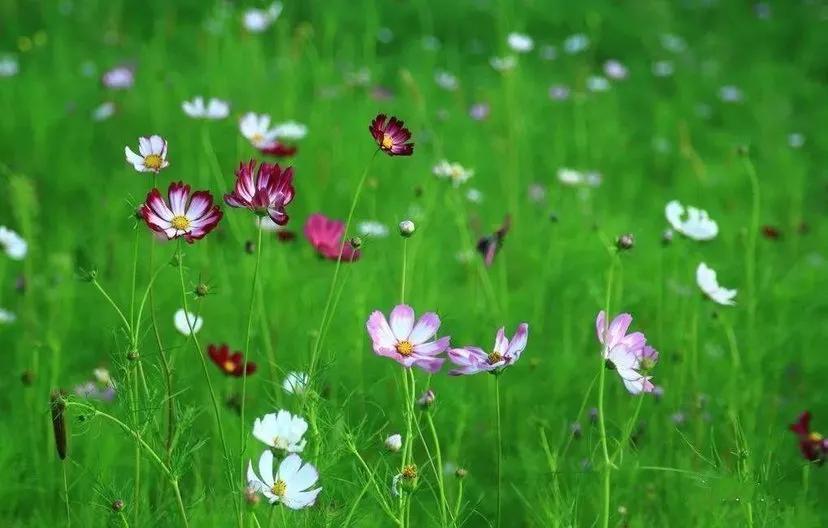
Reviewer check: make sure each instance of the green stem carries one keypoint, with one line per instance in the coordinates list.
(602, 429)
(380, 493)
(127, 326)
(499, 440)
(66, 497)
(438, 470)
(246, 355)
(213, 399)
(750, 254)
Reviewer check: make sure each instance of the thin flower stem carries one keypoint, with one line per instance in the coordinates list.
(123, 519)
(355, 505)
(134, 281)
(180, 502)
(459, 500)
(216, 409)
(380, 495)
(165, 365)
(750, 254)
(246, 355)
(439, 470)
(133, 395)
(404, 266)
(619, 452)
(499, 441)
(325, 313)
(66, 497)
(106, 296)
(608, 465)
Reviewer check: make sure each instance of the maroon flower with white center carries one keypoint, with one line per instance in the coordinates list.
(266, 191)
(183, 215)
(391, 136)
(404, 341)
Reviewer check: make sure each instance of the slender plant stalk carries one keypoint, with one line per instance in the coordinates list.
(602, 429)
(380, 493)
(750, 254)
(213, 399)
(499, 441)
(444, 513)
(66, 497)
(246, 355)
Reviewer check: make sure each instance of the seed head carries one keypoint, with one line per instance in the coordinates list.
(117, 505)
(407, 228)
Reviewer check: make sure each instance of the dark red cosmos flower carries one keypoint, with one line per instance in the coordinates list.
(326, 234)
(266, 191)
(813, 446)
(230, 364)
(489, 245)
(182, 215)
(278, 150)
(391, 136)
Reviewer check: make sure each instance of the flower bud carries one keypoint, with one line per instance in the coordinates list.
(250, 496)
(407, 228)
(202, 290)
(427, 399)
(393, 443)
(461, 473)
(356, 242)
(625, 242)
(117, 505)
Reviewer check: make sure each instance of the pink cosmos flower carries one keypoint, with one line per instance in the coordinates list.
(505, 353)
(628, 354)
(266, 191)
(404, 341)
(119, 78)
(391, 136)
(183, 215)
(326, 234)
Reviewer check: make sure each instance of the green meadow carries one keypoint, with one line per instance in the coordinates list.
(720, 105)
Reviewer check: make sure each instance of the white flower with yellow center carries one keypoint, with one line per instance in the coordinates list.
(290, 486)
(214, 109)
(256, 128)
(281, 431)
(152, 154)
(454, 172)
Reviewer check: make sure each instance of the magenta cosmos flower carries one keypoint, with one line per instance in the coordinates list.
(505, 353)
(404, 341)
(266, 191)
(325, 235)
(184, 215)
(627, 354)
(391, 136)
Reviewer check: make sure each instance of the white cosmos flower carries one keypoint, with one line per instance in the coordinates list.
(446, 80)
(119, 78)
(258, 20)
(393, 443)
(596, 83)
(214, 109)
(474, 195)
(520, 42)
(455, 172)
(13, 244)
(576, 178)
(615, 70)
(372, 228)
(103, 377)
(296, 383)
(706, 279)
(8, 66)
(504, 63)
(291, 484)
(576, 43)
(104, 111)
(290, 130)
(697, 225)
(183, 320)
(152, 154)
(256, 128)
(6, 316)
(281, 431)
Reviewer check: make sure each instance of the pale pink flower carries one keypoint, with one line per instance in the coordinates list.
(505, 353)
(627, 354)
(405, 342)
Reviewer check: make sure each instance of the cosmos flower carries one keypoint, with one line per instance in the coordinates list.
(104, 111)
(454, 172)
(290, 130)
(812, 444)
(627, 354)
(258, 20)
(230, 364)
(13, 244)
(706, 279)
(372, 228)
(119, 78)
(479, 111)
(281, 431)
(265, 191)
(93, 391)
(503, 64)
(296, 383)
(7, 317)
(615, 70)
(152, 154)
(697, 225)
(393, 443)
(596, 83)
(520, 43)
(184, 215)
(731, 94)
(325, 235)
(8, 66)
(559, 92)
(576, 178)
(446, 81)
(184, 320)
(505, 353)
(489, 245)
(256, 128)
(474, 195)
(391, 136)
(427, 399)
(291, 484)
(214, 109)
(404, 341)
(576, 43)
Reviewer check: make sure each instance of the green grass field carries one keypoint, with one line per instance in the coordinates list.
(723, 107)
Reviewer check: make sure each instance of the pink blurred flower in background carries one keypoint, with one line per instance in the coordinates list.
(325, 235)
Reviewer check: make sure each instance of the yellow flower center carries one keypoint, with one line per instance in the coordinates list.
(229, 366)
(256, 138)
(387, 142)
(495, 357)
(280, 443)
(279, 488)
(405, 348)
(153, 161)
(409, 472)
(815, 437)
(180, 222)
